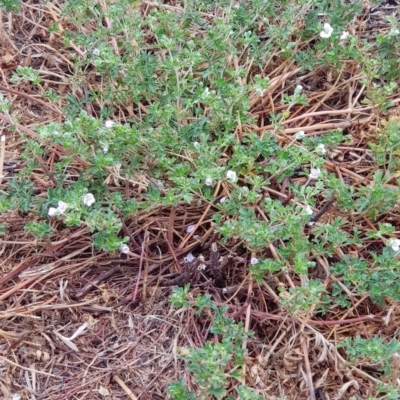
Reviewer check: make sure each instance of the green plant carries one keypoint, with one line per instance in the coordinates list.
(386, 150)
(39, 229)
(215, 364)
(10, 5)
(372, 350)
(178, 296)
(204, 104)
(380, 278)
(26, 73)
(302, 298)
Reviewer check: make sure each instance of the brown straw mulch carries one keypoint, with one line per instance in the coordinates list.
(76, 323)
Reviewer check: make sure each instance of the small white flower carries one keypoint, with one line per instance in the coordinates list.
(315, 173)
(309, 210)
(124, 249)
(299, 135)
(299, 88)
(105, 148)
(160, 183)
(253, 261)
(3, 138)
(208, 182)
(196, 144)
(327, 31)
(109, 123)
(96, 52)
(52, 212)
(222, 199)
(231, 175)
(344, 35)
(88, 199)
(62, 207)
(206, 92)
(395, 32)
(189, 257)
(395, 244)
(321, 149)
(56, 133)
(190, 229)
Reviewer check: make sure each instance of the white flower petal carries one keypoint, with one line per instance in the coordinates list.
(125, 249)
(62, 207)
(109, 123)
(395, 244)
(344, 35)
(208, 182)
(328, 28)
(190, 228)
(321, 149)
(253, 261)
(309, 210)
(327, 31)
(231, 175)
(88, 199)
(52, 212)
(315, 173)
(299, 135)
(190, 257)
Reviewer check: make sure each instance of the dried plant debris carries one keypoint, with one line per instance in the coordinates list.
(199, 200)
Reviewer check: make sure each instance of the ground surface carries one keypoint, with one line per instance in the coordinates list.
(128, 347)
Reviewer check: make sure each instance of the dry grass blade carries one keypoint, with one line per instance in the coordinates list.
(123, 386)
(77, 322)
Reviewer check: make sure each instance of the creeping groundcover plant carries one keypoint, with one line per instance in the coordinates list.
(236, 165)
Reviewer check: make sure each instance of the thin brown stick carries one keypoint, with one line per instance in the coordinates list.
(25, 265)
(205, 213)
(88, 287)
(247, 326)
(31, 98)
(308, 368)
(140, 265)
(124, 387)
(30, 369)
(46, 170)
(275, 317)
(2, 155)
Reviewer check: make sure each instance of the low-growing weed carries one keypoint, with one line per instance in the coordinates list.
(215, 364)
(232, 105)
